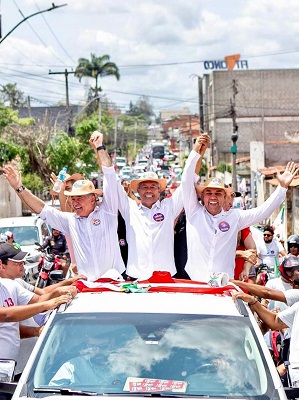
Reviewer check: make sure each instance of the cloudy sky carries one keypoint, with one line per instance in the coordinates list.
(159, 45)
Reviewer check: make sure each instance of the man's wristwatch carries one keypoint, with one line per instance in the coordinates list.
(20, 189)
(102, 147)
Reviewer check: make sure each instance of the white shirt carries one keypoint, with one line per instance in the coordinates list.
(150, 234)
(94, 238)
(269, 252)
(278, 284)
(292, 296)
(11, 294)
(290, 317)
(212, 240)
(79, 371)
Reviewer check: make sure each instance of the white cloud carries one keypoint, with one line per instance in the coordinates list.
(142, 33)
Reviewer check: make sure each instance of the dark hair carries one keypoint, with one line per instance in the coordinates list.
(269, 228)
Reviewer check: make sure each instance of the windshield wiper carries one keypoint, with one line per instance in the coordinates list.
(65, 391)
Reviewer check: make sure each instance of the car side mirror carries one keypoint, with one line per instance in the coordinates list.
(57, 275)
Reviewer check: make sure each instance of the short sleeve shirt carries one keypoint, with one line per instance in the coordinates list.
(11, 294)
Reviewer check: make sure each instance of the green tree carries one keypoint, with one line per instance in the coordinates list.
(72, 153)
(223, 167)
(7, 117)
(11, 96)
(143, 108)
(9, 151)
(96, 67)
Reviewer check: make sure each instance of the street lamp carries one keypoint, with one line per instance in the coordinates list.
(29, 16)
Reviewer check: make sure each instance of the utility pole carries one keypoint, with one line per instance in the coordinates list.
(69, 119)
(234, 136)
(115, 134)
(135, 136)
(200, 106)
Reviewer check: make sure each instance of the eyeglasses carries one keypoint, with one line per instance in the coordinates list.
(268, 234)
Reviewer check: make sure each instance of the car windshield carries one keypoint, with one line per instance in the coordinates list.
(132, 353)
(23, 235)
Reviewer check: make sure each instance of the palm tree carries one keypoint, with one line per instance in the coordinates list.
(96, 67)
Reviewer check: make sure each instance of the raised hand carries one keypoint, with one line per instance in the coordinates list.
(96, 139)
(202, 143)
(12, 176)
(286, 178)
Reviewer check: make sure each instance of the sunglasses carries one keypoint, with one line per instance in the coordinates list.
(267, 234)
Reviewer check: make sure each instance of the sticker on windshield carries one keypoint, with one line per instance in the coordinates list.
(154, 385)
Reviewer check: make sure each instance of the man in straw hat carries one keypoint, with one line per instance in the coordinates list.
(212, 231)
(92, 227)
(150, 225)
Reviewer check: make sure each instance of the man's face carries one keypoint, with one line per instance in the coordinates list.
(55, 232)
(229, 200)
(69, 185)
(12, 269)
(214, 200)
(149, 192)
(294, 249)
(268, 236)
(99, 349)
(83, 205)
(295, 274)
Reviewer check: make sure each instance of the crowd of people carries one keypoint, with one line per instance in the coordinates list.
(135, 231)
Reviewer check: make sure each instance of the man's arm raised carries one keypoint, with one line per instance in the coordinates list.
(96, 142)
(14, 179)
(201, 144)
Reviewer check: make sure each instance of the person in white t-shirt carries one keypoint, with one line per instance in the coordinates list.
(288, 318)
(284, 281)
(17, 304)
(15, 271)
(270, 249)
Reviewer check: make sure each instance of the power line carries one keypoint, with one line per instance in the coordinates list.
(53, 33)
(37, 35)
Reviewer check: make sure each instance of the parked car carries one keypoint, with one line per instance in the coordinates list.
(126, 170)
(111, 343)
(139, 169)
(120, 162)
(27, 231)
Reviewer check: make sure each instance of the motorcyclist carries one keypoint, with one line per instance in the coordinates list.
(11, 239)
(293, 245)
(58, 246)
(56, 243)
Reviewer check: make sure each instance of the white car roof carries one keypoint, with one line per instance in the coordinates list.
(170, 303)
(19, 221)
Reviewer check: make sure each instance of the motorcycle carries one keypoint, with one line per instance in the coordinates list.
(265, 273)
(47, 264)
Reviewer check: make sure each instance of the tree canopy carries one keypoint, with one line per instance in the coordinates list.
(96, 67)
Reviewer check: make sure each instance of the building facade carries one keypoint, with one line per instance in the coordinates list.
(263, 104)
